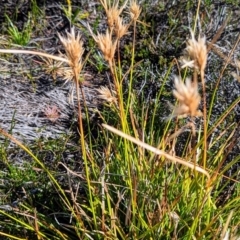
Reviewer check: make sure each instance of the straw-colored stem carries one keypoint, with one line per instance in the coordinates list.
(119, 94)
(131, 67)
(157, 151)
(82, 140)
(80, 115)
(119, 59)
(205, 147)
(14, 51)
(204, 121)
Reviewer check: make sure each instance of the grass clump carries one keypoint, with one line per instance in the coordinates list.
(20, 37)
(143, 175)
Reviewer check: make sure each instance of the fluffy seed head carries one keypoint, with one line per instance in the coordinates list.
(135, 10)
(120, 29)
(107, 95)
(112, 11)
(74, 49)
(188, 97)
(197, 52)
(106, 45)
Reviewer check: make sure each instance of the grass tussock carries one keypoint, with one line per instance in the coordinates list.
(142, 175)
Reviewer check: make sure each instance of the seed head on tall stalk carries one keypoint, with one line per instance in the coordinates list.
(135, 10)
(112, 11)
(188, 98)
(109, 44)
(197, 52)
(74, 50)
(106, 44)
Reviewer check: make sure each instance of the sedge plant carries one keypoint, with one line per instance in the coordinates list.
(135, 190)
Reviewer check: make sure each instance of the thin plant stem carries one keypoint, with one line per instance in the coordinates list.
(119, 95)
(82, 140)
(197, 14)
(132, 63)
(15, 51)
(157, 151)
(204, 121)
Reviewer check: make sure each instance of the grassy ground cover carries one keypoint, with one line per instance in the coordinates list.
(120, 120)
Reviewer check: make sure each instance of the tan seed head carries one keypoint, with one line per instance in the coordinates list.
(74, 49)
(120, 29)
(197, 52)
(107, 95)
(112, 11)
(188, 97)
(106, 44)
(135, 10)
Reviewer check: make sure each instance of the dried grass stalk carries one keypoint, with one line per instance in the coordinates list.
(157, 151)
